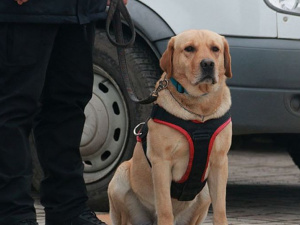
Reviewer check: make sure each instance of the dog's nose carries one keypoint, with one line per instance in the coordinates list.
(207, 65)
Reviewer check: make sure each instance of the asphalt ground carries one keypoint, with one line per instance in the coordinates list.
(263, 187)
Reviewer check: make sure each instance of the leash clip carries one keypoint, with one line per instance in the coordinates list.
(163, 84)
(135, 129)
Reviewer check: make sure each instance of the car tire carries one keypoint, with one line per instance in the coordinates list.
(111, 115)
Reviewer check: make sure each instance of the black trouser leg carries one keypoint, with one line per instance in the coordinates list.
(24, 54)
(59, 125)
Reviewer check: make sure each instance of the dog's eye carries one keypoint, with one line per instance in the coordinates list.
(190, 49)
(215, 49)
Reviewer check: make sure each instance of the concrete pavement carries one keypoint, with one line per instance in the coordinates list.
(263, 187)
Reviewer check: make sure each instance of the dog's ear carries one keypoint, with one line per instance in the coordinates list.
(166, 61)
(227, 59)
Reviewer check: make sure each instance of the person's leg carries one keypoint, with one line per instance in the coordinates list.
(59, 125)
(24, 52)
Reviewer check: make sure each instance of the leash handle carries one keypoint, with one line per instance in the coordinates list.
(116, 9)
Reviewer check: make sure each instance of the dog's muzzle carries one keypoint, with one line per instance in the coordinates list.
(208, 71)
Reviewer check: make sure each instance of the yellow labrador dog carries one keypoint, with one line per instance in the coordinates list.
(179, 165)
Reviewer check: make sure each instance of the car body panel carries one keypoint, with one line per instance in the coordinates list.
(235, 17)
(265, 63)
(288, 26)
(257, 110)
(148, 23)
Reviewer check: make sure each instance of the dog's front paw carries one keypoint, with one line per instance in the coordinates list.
(222, 221)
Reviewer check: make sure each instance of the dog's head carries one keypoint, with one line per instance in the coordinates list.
(197, 59)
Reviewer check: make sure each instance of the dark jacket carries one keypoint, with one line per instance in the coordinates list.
(52, 11)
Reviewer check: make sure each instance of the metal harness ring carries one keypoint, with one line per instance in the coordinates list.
(135, 129)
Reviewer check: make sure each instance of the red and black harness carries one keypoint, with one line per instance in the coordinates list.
(200, 137)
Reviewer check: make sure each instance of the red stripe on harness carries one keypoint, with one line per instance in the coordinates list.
(211, 143)
(191, 147)
(196, 121)
(138, 139)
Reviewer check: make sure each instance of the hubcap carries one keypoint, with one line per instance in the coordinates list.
(106, 128)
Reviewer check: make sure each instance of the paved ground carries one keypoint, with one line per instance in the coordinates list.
(263, 187)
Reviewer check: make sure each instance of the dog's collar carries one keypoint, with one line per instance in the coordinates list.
(178, 86)
(163, 84)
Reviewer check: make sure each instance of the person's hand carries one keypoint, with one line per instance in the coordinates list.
(20, 2)
(108, 2)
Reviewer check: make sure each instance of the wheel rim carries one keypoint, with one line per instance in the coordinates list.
(106, 128)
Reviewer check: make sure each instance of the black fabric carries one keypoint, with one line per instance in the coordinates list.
(85, 218)
(27, 222)
(46, 76)
(201, 134)
(52, 11)
(143, 138)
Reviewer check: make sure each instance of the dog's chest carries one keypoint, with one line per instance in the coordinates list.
(200, 137)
